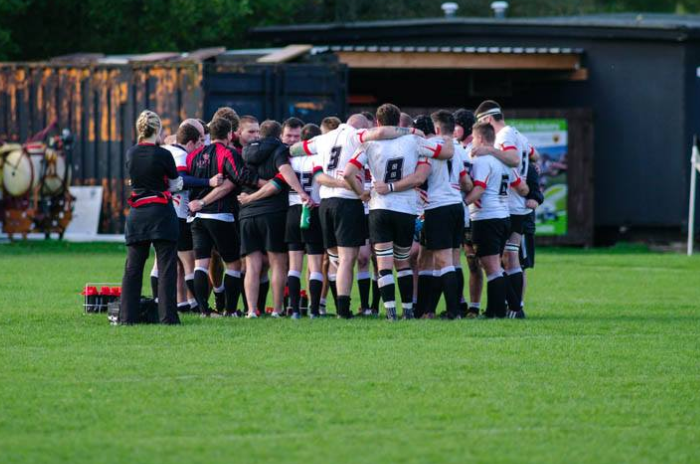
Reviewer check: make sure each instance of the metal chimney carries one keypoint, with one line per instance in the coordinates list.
(499, 9)
(450, 9)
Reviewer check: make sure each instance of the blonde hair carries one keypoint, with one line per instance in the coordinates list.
(147, 125)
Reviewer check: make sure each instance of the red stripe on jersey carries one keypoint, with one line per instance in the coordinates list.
(316, 170)
(356, 163)
(280, 178)
(191, 157)
(516, 182)
(305, 146)
(509, 147)
(478, 183)
(423, 162)
(436, 151)
(361, 134)
(462, 174)
(532, 150)
(182, 169)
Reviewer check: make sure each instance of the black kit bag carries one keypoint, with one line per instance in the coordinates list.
(148, 312)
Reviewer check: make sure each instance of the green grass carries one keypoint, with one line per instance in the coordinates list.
(605, 370)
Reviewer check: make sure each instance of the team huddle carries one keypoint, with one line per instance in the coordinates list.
(382, 192)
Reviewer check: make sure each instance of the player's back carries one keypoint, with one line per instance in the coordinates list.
(494, 177)
(335, 149)
(304, 167)
(443, 181)
(390, 161)
(510, 138)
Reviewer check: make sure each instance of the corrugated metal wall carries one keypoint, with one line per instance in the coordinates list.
(99, 104)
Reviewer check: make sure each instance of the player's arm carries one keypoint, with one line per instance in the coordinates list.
(352, 171)
(412, 181)
(465, 182)
(304, 148)
(437, 149)
(271, 188)
(480, 173)
(533, 183)
(519, 185)
(534, 155)
(475, 194)
(386, 133)
(288, 174)
(216, 194)
(327, 181)
(508, 156)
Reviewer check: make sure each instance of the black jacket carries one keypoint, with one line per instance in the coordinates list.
(265, 157)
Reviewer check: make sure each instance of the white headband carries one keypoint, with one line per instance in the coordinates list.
(491, 112)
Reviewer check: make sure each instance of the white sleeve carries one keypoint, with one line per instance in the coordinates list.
(429, 148)
(480, 172)
(359, 157)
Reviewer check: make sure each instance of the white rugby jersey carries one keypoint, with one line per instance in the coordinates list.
(443, 181)
(368, 187)
(305, 167)
(335, 149)
(496, 178)
(181, 198)
(509, 138)
(391, 161)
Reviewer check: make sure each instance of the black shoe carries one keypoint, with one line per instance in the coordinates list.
(463, 309)
(520, 314)
(345, 315)
(220, 301)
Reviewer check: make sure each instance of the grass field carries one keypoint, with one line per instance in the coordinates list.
(605, 370)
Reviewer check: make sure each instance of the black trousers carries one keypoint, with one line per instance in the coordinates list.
(136, 256)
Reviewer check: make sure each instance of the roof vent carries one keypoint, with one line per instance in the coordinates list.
(450, 9)
(499, 9)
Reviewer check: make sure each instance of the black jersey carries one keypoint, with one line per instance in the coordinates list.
(214, 159)
(265, 157)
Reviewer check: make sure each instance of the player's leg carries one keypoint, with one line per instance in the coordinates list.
(227, 245)
(385, 263)
(346, 263)
(253, 264)
(511, 260)
(296, 265)
(279, 263)
(216, 275)
(425, 282)
(376, 294)
(203, 245)
(364, 278)
(489, 238)
(476, 279)
(154, 280)
(264, 283)
(449, 281)
(332, 275)
(457, 263)
(314, 264)
(187, 261)
(183, 305)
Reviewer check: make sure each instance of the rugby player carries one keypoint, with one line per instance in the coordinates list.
(393, 207)
(490, 216)
(213, 220)
(464, 121)
(263, 220)
(341, 210)
(511, 148)
(189, 137)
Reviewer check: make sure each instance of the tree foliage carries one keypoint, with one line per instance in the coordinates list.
(36, 29)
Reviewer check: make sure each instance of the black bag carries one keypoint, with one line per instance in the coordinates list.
(148, 312)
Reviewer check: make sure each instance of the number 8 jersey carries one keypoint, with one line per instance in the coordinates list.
(391, 161)
(335, 149)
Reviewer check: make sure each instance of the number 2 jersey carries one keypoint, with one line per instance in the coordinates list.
(334, 150)
(306, 168)
(496, 179)
(391, 161)
(509, 138)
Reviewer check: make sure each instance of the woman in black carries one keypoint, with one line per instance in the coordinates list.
(151, 220)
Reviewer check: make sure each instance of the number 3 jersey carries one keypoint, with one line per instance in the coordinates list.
(495, 178)
(306, 168)
(509, 138)
(334, 150)
(391, 161)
